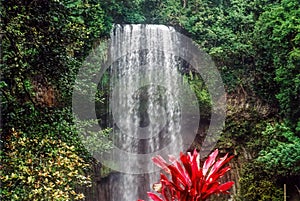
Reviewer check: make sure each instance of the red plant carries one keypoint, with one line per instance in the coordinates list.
(190, 182)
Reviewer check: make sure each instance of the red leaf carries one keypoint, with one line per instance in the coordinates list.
(164, 179)
(160, 162)
(186, 163)
(194, 161)
(220, 189)
(218, 165)
(226, 186)
(218, 174)
(190, 182)
(154, 197)
(181, 171)
(209, 161)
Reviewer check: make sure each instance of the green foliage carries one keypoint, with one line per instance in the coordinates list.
(254, 43)
(125, 11)
(277, 35)
(95, 142)
(278, 158)
(43, 45)
(57, 123)
(258, 185)
(41, 168)
(47, 39)
(198, 87)
(150, 10)
(241, 132)
(223, 29)
(281, 152)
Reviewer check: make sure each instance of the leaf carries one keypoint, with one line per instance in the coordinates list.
(160, 162)
(187, 179)
(209, 161)
(154, 197)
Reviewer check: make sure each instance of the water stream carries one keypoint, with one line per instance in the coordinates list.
(147, 102)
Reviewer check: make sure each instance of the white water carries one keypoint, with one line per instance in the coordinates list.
(145, 104)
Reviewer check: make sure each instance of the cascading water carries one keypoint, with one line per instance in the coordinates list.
(148, 100)
(143, 86)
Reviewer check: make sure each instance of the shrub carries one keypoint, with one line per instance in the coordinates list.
(190, 182)
(41, 169)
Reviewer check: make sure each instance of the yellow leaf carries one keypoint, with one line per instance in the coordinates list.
(29, 179)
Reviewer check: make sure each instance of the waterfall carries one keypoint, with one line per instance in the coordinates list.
(143, 85)
(148, 101)
(144, 101)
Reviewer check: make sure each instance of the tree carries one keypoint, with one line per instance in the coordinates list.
(277, 35)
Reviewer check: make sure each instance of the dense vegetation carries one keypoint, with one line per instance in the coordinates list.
(43, 44)
(255, 44)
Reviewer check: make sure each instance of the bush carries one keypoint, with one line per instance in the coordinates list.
(189, 180)
(41, 169)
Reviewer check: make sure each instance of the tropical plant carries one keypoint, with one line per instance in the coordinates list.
(41, 168)
(189, 181)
